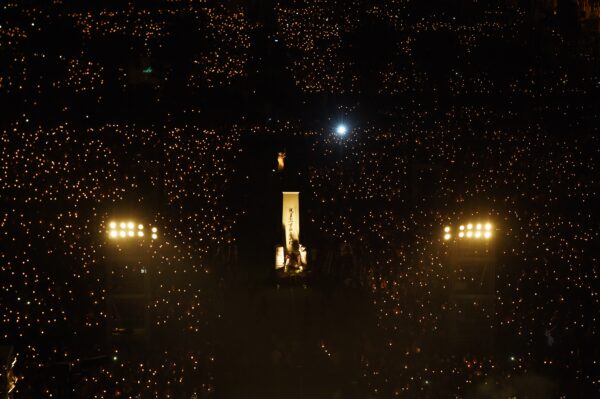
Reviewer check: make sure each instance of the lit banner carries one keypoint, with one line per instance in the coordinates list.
(279, 258)
(291, 219)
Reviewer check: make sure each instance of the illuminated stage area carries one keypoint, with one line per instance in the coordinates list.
(290, 259)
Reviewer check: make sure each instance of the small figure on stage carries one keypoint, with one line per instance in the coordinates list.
(293, 260)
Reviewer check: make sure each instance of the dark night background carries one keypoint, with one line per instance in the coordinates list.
(171, 113)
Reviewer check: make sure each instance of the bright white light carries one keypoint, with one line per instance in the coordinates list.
(154, 230)
(140, 227)
(341, 129)
(469, 226)
(113, 225)
(487, 234)
(447, 236)
(478, 234)
(447, 229)
(122, 233)
(478, 227)
(122, 225)
(469, 234)
(113, 233)
(461, 234)
(461, 227)
(130, 233)
(154, 236)
(130, 225)
(488, 226)
(140, 233)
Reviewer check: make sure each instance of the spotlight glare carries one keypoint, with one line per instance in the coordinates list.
(154, 236)
(113, 225)
(469, 226)
(447, 236)
(113, 233)
(130, 225)
(478, 227)
(488, 226)
(140, 227)
(477, 234)
(140, 233)
(130, 233)
(122, 225)
(461, 234)
(122, 233)
(154, 230)
(447, 229)
(469, 234)
(341, 129)
(487, 234)
(462, 227)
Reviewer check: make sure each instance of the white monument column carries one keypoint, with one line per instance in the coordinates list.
(291, 218)
(291, 253)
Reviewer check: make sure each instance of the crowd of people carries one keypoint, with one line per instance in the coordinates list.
(62, 187)
(389, 196)
(465, 118)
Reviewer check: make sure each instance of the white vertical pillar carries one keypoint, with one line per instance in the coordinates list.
(291, 218)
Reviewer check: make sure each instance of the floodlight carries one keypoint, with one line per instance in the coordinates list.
(461, 234)
(461, 227)
(113, 225)
(447, 229)
(113, 233)
(469, 234)
(140, 233)
(447, 236)
(140, 227)
(130, 233)
(488, 226)
(478, 234)
(478, 227)
(122, 233)
(154, 230)
(487, 234)
(122, 225)
(154, 236)
(130, 225)
(469, 226)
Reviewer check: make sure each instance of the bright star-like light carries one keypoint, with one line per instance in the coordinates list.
(341, 129)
